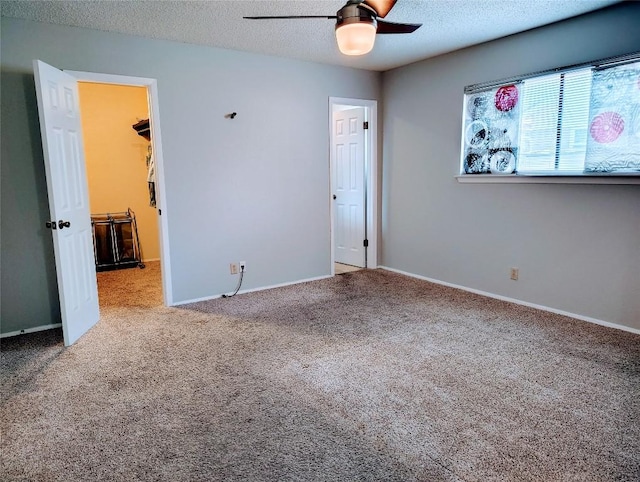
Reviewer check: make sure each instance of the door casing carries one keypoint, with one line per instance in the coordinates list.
(156, 142)
(371, 169)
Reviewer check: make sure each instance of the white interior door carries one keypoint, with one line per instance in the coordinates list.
(349, 186)
(59, 112)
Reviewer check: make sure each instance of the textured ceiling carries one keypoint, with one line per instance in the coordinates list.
(447, 24)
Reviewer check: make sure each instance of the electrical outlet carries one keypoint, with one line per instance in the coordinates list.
(514, 274)
(233, 268)
(243, 266)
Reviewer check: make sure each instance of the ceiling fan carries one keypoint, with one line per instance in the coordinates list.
(357, 24)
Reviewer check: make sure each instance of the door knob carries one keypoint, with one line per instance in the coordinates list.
(64, 224)
(335, 197)
(51, 224)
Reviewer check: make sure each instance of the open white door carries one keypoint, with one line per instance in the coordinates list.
(349, 186)
(59, 112)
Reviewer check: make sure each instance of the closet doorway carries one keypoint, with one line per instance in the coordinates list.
(122, 190)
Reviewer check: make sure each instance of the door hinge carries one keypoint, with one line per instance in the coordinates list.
(159, 212)
(365, 243)
(365, 125)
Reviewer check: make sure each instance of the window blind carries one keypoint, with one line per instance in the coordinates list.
(573, 120)
(554, 123)
(540, 106)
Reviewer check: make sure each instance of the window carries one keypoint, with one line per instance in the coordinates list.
(575, 121)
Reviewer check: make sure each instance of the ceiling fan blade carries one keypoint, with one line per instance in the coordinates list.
(382, 7)
(272, 17)
(390, 27)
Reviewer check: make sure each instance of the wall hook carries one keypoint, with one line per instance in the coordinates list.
(232, 115)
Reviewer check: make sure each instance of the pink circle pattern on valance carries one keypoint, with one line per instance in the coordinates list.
(506, 98)
(606, 127)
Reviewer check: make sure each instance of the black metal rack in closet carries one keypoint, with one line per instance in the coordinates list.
(115, 241)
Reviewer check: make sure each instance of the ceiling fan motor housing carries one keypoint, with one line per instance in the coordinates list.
(355, 13)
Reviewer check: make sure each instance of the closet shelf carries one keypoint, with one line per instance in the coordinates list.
(143, 129)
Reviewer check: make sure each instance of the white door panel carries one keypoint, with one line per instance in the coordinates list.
(349, 187)
(59, 112)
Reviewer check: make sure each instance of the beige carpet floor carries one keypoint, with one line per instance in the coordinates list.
(367, 376)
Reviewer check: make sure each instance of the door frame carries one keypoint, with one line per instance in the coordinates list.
(156, 143)
(371, 173)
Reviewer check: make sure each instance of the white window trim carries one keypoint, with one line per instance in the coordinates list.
(547, 179)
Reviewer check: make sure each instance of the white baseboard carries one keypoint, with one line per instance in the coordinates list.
(262, 288)
(518, 302)
(30, 330)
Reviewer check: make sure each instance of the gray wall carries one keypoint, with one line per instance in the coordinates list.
(255, 188)
(577, 246)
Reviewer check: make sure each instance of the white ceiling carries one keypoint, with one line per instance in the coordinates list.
(447, 24)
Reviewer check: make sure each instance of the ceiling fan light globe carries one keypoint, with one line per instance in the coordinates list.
(356, 38)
